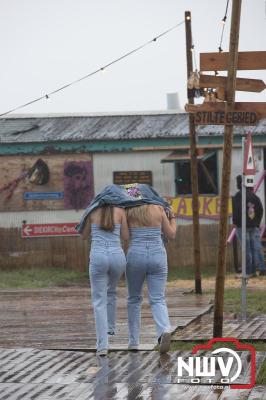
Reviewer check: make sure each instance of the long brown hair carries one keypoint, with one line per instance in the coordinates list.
(107, 218)
(138, 215)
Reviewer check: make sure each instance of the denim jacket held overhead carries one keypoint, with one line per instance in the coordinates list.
(123, 196)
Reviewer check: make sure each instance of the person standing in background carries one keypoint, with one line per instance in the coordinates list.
(254, 213)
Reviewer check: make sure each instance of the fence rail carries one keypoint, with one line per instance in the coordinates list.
(72, 252)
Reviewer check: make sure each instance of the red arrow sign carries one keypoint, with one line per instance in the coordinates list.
(249, 162)
(44, 230)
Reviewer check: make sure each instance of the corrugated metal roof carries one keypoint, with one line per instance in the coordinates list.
(107, 127)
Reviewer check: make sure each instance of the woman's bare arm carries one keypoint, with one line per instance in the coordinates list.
(169, 225)
(124, 226)
(86, 230)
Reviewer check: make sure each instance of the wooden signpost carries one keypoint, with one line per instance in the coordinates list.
(242, 84)
(228, 118)
(247, 60)
(258, 107)
(222, 109)
(214, 113)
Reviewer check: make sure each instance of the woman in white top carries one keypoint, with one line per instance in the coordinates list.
(147, 259)
(106, 226)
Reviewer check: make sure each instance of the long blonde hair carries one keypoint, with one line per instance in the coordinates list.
(107, 218)
(138, 215)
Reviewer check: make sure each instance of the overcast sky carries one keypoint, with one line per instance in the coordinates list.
(48, 43)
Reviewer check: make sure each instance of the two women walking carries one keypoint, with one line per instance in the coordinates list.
(146, 259)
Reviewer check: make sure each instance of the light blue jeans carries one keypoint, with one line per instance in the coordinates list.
(254, 250)
(107, 264)
(146, 258)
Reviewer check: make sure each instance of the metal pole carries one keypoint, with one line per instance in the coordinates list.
(243, 240)
(226, 171)
(235, 254)
(193, 163)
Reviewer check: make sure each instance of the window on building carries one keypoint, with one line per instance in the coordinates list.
(207, 175)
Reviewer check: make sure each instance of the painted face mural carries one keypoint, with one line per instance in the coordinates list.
(78, 184)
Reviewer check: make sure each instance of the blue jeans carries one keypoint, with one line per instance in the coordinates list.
(254, 250)
(107, 263)
(146, 260)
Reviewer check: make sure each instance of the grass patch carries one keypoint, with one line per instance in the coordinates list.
(178, 345)
(261, 378)
(188, 273)
(41, 278)
(49, 277)
(256, 301)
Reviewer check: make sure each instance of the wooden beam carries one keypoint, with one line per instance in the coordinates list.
(242, 84)
(247, 60)
(208, 175)
(193, 164)
(231, 65)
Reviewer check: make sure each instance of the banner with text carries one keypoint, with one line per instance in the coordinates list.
(209, 207)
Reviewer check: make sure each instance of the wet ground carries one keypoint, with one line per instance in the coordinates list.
(27, 374)
(47, 350)
(62, 318)
(253, 328)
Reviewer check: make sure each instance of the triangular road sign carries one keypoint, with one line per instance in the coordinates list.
(249, 167)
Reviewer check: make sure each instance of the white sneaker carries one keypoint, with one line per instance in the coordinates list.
(164, 342)
(102, 352)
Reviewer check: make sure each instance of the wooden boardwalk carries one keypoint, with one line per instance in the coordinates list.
(39, 327)
(254, 328)
(34, 374)
(62, 318)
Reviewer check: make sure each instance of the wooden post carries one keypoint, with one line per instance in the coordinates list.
(226, 171)
(193, 163)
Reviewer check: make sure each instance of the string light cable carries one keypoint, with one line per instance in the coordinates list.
(197, 91)
(223, 26)
(101, 69)
(194, 53)
(223, 21)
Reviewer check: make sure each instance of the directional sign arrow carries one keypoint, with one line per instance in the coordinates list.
(27, 230)
(242, 84)
(249, 60)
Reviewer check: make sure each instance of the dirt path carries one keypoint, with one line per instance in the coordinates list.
(231, 281)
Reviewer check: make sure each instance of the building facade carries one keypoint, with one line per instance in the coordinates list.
(52, 166)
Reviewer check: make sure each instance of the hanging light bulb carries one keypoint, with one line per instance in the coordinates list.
(224, 20)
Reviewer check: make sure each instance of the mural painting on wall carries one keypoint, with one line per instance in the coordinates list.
(78, 184)
(38, 174)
